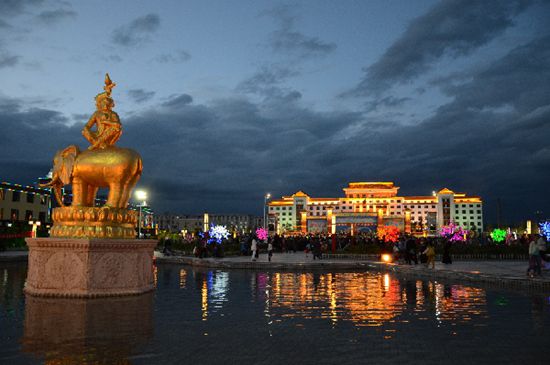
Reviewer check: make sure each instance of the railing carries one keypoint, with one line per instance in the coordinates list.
(457, 257)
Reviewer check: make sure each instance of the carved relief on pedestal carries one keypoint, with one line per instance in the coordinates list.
(64, 270)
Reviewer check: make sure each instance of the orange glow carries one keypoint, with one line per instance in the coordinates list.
(386, 257)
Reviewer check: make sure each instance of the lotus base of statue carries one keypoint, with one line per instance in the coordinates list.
(89, 267)
(94, 222)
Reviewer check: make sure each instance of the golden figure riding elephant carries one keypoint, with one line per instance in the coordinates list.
(118, 169)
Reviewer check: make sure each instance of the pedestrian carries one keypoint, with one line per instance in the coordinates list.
(269, 251)
(317, 249)
(446, 259)
(541, 245)
(534, 258)
(430, 255)
(254, 249)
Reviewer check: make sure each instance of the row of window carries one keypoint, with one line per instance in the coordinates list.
(14, 215)
(16, 196)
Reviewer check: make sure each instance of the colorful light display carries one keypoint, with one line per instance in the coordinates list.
(498, 235)
(453, 232)
(388, 233)
(544, 228)
(261, 233)
(217, 234)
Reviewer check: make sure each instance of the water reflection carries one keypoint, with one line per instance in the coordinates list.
(365, 317)
(91, 331)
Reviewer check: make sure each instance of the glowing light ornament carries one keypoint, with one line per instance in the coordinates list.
(261, 233)
(453, 232)
(217, 234)
(544, 228)
(388, 233)
(498, 235)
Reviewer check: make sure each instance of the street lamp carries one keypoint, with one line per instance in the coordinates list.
(141, 195)
(266, 197)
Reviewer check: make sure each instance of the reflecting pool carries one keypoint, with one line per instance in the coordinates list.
(251, 317)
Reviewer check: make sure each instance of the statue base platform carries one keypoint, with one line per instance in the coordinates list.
(89, 267)
(94, 222)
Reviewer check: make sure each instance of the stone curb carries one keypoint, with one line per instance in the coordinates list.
(407, 271)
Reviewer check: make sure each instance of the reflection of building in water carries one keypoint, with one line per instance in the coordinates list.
(366, 299)
(459, 303)
(214, 286)
(102, 330)
(363, 298)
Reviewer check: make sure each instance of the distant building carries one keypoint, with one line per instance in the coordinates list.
(242, 223)
(20, 203)
(369, 204)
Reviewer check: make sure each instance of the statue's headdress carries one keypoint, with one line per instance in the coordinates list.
(109, 85)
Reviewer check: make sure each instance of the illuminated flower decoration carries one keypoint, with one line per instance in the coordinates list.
(453, 232)
(498, 235)
(261, 233)
(388, 233)
(544, 228)
(217, 234)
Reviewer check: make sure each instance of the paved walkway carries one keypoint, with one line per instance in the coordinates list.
(500, 273)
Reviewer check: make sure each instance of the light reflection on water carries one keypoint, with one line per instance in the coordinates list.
(305, 317)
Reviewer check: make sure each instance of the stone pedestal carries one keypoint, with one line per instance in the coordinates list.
(87, 268)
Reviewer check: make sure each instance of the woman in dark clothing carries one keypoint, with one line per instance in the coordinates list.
(447, 253)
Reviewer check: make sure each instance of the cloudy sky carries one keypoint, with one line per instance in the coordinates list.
(228, 100)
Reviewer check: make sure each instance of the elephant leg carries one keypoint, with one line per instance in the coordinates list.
(128, 190)
(113, 200)
(80, 192)
(91, 192)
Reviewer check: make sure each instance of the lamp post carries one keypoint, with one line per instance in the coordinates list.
(266, 197)
(141, 195)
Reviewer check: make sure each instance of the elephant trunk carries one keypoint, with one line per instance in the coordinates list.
(55, 184)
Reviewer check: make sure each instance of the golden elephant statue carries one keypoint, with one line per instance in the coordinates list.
(118, 169)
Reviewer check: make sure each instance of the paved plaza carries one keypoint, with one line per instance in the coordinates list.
(501, 273)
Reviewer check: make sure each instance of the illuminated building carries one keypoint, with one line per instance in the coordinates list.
(242, 223)
(366, 205)
(20, 203)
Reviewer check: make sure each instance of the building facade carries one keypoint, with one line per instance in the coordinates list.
(241, 223)
(365, 205)
(20, 203)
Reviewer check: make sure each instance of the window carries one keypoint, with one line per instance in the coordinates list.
(2, 194)
(28, 215)
(15, 196)
(463, 212)
(471, 211)
(15, 214)
(30, 198)
(479, 211)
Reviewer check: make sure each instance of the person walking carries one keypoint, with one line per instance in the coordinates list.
(447, 253)
(541, 245)
(254, 249)
(534, 258)
(430, 255)
(269, 251)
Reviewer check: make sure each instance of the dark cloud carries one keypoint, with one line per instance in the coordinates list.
(13, 8)
(451, 28)
(140, 95)
(7, 59)
(386, 102)
(177, 101)
(137, 31)
(269, 81)
(175, 57)
(54, 16)
(290, 41)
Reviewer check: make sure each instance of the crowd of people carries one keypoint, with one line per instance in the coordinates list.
(407, 250)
